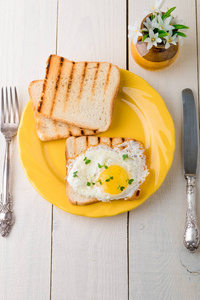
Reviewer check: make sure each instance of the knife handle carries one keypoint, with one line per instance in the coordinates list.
(191, 234)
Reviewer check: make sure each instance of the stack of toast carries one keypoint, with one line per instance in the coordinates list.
(74, 99)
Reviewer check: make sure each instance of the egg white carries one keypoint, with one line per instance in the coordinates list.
(134, 165)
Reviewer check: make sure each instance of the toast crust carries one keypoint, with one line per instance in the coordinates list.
(75, 146)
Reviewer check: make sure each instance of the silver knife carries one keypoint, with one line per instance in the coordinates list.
(190, 165)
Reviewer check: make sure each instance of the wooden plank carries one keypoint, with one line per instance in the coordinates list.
(90, 255)
(28, 35)
(198, 44)
(160, 267)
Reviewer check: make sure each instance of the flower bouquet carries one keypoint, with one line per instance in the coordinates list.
(155, 44)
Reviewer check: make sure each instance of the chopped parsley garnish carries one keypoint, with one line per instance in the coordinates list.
(87, 161)
(125, 156)
(75, 174)
(89, 183)
(100, 166)
(130, 181)
(110, 178)
(100, 181)
(121, 187)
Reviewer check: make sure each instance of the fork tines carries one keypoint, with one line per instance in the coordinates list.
(9, 106)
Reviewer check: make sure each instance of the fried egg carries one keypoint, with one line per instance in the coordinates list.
(108, 173)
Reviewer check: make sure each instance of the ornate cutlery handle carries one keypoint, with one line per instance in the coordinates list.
(191, 234)
(6, 214)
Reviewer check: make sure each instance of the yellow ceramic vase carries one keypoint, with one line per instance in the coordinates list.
(155, 59)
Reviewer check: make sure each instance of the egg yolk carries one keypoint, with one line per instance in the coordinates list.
(113, 180)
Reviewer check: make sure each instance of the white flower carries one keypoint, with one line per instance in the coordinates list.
(152, 40)
(170, 39)
(163, 24)
(155, 8)
(159, 3)
(148, 24)
(134, 32)
(180, 40)
(175, 20)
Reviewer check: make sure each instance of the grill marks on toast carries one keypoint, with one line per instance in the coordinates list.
(70, 80)
(77, 145)
(107, 78)
(82, 80)
(44, 85)
(95, 79)
(57, 83)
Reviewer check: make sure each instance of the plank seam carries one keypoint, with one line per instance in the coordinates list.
(51, 249)
(57, 28)
(128, 252)
(127, 68)
(127, 41)
(197, 44)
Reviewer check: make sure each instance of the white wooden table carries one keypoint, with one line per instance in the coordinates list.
(51, 254)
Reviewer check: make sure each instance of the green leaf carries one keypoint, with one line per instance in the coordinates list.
(100, 181)
(144, 37)
(88, 184)
(100, 166)
(179, 26)
(85, 158)
(93, 183)
(152, 17)
(107, 180)
(111, 177)
(162, 33)
(168, 13)
(181, 33)
(106, 167)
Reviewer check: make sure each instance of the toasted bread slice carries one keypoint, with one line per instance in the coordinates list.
(75, 146)
(48, 129)
(79, 93)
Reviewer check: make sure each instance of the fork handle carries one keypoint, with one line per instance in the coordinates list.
(6, 173)
(6, 213)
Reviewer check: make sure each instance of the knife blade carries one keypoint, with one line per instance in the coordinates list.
(190, 166)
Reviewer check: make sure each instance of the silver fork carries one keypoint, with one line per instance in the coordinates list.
(9, 127)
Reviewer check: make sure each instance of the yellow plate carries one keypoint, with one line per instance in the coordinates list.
(139, 113)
